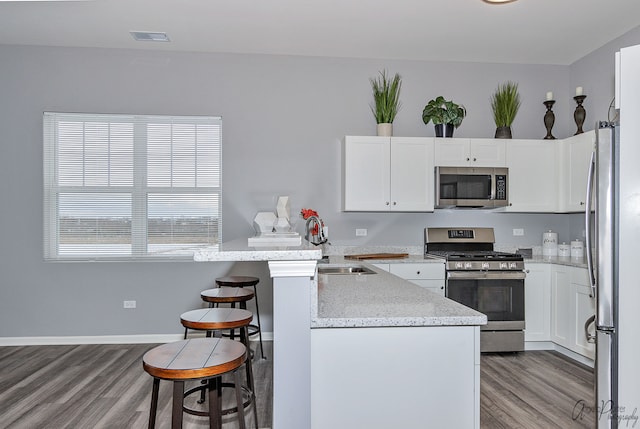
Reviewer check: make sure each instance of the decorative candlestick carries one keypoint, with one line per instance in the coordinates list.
(580, 114)
(549, 119)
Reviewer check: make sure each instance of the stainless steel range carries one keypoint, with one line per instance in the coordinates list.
(488, 281)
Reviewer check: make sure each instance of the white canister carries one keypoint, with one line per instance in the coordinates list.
(577, 249)
(564, 250)
(550, 243)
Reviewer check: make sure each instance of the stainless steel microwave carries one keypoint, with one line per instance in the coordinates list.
(471, 187)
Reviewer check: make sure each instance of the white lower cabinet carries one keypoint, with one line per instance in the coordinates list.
(584, 305)
(571, 306)
(427, 275)
(537, 303)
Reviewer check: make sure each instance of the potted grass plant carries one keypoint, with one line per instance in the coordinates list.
(505, 103)
(445, 115)
(386, 98)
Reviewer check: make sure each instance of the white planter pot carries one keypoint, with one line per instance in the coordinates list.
(385, 130)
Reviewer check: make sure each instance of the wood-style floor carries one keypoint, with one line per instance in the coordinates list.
(535, 389)
(104, 386)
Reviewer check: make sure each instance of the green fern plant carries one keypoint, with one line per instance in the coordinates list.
(386, 97)
(505, 103)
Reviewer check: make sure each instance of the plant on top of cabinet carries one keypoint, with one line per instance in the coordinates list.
(386, 97)
(443, 114)
(505, 103)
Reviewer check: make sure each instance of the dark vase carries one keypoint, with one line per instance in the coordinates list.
(503, 133)
(447, 128)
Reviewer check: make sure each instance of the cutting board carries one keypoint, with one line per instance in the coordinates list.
(377, 256)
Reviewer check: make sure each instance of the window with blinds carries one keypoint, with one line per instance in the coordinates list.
(130, 186)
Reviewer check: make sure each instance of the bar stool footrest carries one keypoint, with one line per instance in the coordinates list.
(233, 410)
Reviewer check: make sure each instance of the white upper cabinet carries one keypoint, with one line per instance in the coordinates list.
(387, 174)
(533, 175)
(455, 152)
(574, 170)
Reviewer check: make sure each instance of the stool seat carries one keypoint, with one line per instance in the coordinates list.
(237, 281)
(193, 359)
(214, 319)
(226, 295)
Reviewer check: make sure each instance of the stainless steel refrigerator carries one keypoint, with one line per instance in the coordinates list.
(613, 252)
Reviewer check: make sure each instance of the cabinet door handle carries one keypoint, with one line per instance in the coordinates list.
(394, 203)
(418, 272)
(474, 159)
(582, 203)
(387, 203)
(467, 159)
(441, 287)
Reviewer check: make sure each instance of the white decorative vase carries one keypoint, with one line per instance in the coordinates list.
(385, 130)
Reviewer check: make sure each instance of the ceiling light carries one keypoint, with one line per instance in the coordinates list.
(150, 36)
(498, 1)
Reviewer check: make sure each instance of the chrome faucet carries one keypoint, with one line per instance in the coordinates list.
(312, 221)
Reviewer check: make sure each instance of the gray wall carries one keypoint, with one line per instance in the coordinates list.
(596, 74)
(283, 119)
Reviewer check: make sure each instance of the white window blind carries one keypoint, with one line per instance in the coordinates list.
(130, 186)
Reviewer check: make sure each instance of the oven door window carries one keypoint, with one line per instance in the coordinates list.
(465, 186)
(500, 300)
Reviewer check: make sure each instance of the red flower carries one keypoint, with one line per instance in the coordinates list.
(306, 213)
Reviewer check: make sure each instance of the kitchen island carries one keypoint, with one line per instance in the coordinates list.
(364, 350)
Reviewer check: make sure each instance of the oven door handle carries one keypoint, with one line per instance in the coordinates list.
(486, 275)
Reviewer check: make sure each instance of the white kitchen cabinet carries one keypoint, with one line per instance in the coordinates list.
(574, 169)
(533, 175)
(571, 306)
(387, 174)
(537, 301)
(561, 297)
(456, 152)
(584, 307)
(428, 275)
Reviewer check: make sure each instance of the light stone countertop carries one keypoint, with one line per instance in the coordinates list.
(557, 260)
(382, 300)
(238, 250)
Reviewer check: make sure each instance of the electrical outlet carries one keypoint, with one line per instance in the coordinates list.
(361, 232)
(518, 232)
(129, 304)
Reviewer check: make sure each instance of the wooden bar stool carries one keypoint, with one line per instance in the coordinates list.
(195, 359)
(241, 282)
(218, 319)
(228, 295)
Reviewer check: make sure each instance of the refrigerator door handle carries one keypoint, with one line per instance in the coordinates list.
(588, 224)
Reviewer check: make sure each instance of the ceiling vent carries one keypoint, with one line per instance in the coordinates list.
(149, 36)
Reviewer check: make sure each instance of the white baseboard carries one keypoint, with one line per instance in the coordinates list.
(549, 345)
(103, 339)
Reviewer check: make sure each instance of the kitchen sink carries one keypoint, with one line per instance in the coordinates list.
(344, 269)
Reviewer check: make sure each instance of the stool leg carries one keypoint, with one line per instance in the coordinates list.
(154, 403)
(244, 336)
(215, 407)
(176, 411)
(239, 403)
(255, 292)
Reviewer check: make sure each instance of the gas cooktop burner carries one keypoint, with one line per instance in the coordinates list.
(479, 256)
(469, 249)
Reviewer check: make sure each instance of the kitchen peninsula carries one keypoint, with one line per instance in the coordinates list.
(342, 341)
